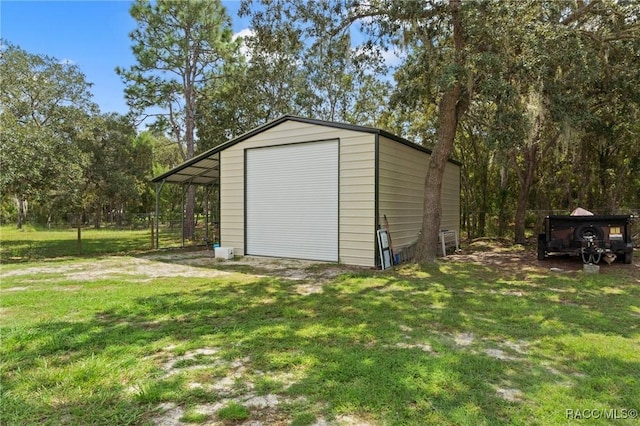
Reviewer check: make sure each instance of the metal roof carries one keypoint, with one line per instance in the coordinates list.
(204, 169)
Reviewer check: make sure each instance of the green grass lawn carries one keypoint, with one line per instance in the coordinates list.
(450, 343)
(31, 243)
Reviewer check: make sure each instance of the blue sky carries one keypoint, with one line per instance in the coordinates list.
(91, 34)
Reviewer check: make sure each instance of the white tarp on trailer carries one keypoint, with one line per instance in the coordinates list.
(581, 212)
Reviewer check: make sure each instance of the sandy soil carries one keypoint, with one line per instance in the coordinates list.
(311, 274)
(518, 259)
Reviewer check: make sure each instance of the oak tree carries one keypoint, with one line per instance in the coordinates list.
(44, 102)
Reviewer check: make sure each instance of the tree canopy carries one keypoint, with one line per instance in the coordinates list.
(57, 149)
(531, 71)
(178, 46)
(539, 99)
(43, 103)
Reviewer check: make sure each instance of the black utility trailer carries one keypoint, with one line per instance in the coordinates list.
(591, 237)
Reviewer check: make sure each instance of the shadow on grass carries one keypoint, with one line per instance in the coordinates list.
(380, 345)
(383, 345)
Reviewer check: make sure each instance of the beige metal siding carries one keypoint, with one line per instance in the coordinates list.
(450, 198)
(356, 186)
(357, 198)
(402, 172)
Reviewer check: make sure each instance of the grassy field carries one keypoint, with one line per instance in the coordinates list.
(31, 243)
(182, 339)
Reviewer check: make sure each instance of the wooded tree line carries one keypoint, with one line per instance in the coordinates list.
(538, 99)
(60, 155)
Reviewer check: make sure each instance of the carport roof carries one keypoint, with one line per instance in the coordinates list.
(204, 169)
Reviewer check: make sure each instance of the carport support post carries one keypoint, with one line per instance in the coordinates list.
(182, 217)
(218, 237)
(158, 189)
(206, 213)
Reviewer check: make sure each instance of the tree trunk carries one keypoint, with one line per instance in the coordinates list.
(520, 217)
(469, 215)
(450, 108)
(190, 129)
(426, 249)
(484, 203)
(533, 152)
(21, 211)
(503, 193)
(97, 218)
(526, 177)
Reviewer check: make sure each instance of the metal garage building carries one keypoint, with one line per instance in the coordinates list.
(310, 189)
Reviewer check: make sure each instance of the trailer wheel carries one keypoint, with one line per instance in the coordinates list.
(542, 247)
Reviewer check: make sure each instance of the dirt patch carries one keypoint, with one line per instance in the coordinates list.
(132, 268)
(170, 414)
(500, 354)
(352, 420)
(509, 261)
(505, 350)
(294, 269)
(235, 385)
(464, 339)
(145, 268)
(517, 259)
(425, 347)
(35, 270)
(308, 289)
(185, 263)
(509, 394)
(199, 356)
(311, 274)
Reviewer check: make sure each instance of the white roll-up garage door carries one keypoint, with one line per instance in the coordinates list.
(292, 201)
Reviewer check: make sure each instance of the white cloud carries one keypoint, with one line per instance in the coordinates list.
(244, 33)
(247, 32)
(393, 57)
(66, 61)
